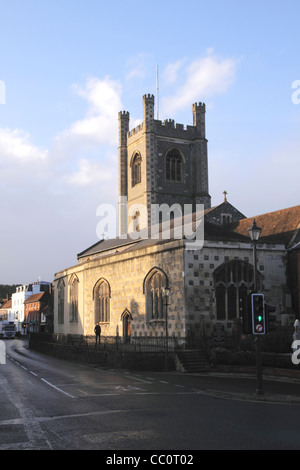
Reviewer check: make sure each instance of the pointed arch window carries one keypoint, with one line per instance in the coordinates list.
(233, 281)
(102, 301)
(174, 166)
(136, 174)
(61, 300)
(74, 281)
(154, 285)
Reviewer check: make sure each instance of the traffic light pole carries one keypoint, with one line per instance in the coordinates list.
(259, 389)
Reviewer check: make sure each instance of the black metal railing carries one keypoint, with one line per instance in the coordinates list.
(135, 343)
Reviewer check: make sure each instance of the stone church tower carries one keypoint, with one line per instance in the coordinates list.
(160, 163)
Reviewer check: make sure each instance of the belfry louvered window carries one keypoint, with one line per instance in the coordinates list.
(174, 166)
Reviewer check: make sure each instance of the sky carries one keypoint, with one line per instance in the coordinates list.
(67, 67)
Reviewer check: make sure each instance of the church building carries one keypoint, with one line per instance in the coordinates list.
(171, 240)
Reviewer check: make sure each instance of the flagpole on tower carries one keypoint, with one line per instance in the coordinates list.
(157, 97)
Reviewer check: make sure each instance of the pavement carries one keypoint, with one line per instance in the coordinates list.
(280, 386)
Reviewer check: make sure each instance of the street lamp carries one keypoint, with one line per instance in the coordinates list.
(254, 233)
(166, 295)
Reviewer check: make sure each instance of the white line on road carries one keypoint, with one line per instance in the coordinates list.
(56, 388)
(140, 380)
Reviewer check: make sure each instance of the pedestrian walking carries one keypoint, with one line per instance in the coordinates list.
(97, 332)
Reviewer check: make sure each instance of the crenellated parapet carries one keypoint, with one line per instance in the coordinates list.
(135, 130)
(168, 127)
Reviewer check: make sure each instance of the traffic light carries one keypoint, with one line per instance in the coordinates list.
(258, 314)
(270, 319)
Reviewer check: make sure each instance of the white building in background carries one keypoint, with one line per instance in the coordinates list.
(18, 298)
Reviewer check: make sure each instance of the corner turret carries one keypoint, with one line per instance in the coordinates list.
(148, 108)
(199, 118)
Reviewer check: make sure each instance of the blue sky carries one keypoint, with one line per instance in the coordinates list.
(68, 67)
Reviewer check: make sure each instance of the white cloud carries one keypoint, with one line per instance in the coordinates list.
(81, 152)
(170, 73)
(89, 173)
(15, 144)
(204, 77)
(102, 95)
(100, 123)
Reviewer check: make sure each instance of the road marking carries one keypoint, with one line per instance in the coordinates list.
(33, 373)
(56, 388)
(35, 434)
(140, 380)
(84, 415)
(169, 393)
(128, 388)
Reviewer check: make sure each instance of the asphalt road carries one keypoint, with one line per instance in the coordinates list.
(48, 404)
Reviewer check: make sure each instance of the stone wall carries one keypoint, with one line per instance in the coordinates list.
(200, 265)
(125, 273)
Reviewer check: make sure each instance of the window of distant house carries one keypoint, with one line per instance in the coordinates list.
(102, 302)
(74, 299)
(61, 300)
(136, 175)
(174, 166)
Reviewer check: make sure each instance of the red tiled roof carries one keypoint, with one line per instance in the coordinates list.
(7, 304)
(35, 297)
(280, 224)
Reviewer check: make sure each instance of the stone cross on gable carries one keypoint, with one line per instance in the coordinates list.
(225, 194)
